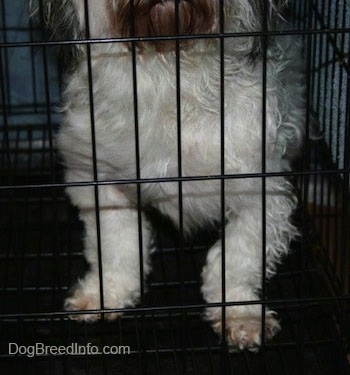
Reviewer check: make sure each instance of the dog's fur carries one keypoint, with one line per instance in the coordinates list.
(199, 81)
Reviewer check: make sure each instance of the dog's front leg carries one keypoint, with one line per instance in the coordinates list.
(120, 244)
(244, 247)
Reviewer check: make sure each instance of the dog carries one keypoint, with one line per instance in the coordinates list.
(160, 93)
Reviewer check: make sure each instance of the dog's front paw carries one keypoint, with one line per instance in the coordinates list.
(244, 332)
(82, 300)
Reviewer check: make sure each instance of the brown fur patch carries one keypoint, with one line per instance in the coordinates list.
(148, 18)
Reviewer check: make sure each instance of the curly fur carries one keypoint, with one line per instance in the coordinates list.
(200, 84)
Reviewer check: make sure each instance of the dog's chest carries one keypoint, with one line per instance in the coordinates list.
(181, 136)
(170, 118)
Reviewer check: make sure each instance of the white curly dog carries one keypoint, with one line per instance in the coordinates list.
(237, 105)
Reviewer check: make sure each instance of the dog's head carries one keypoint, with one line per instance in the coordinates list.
(158, 18)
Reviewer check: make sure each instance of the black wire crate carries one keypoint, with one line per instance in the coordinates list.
(166, 335)
(41, 236)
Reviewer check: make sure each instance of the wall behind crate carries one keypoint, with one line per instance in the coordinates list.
(329, 97)
(330, 84)
(30, 74)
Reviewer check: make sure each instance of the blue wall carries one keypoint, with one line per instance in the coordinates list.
(27, 91)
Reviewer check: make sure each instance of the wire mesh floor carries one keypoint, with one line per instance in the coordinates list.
(41, 256)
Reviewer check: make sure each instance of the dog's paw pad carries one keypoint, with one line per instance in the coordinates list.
(80, 302)
(245, 332)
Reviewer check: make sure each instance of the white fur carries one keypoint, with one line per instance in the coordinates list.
(113, 104)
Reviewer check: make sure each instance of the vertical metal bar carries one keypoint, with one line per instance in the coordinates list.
(94, 152)
(137, 148)
(14, 233)
(5, 102)
(36, 105)
(327, 213)
(47, 98)
(343, 211)
(6, 140)
(345, 245)
(306, 179)
(138, 176)
(316, 102)
(179, 129)
(222, 181)
(180, 174)
(49, 127)
(5, 53)
(264, 41)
